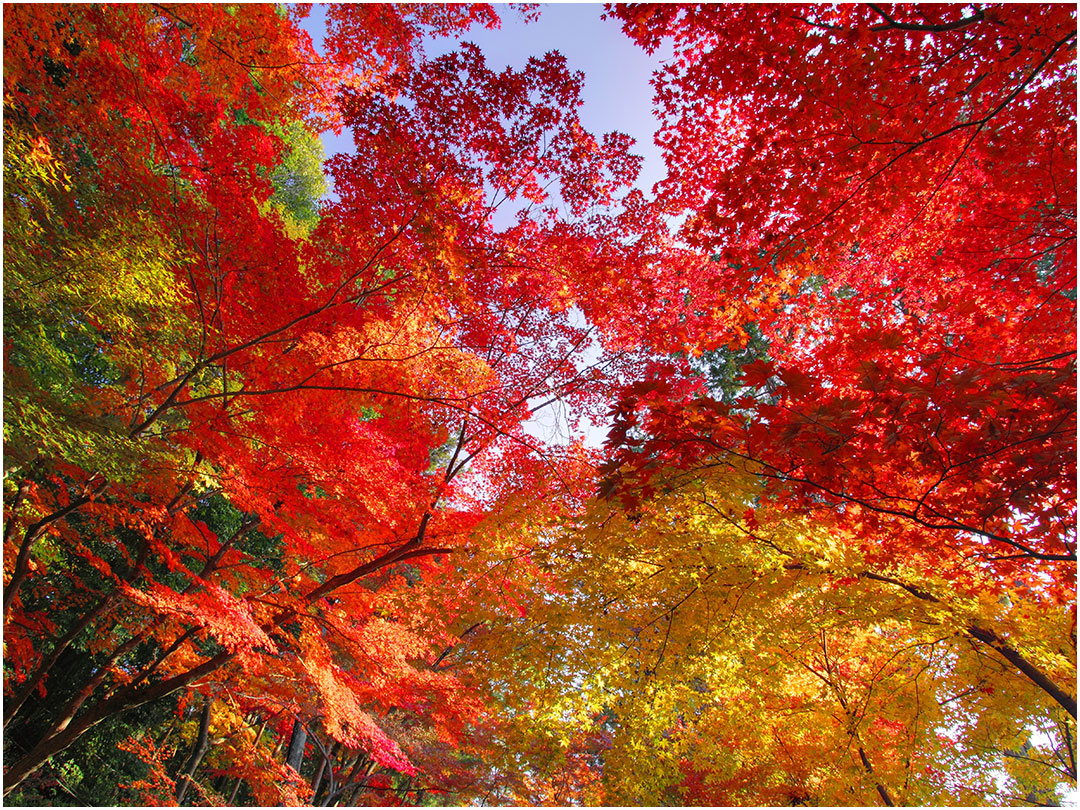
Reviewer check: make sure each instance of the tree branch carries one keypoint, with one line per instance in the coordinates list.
(892, 24)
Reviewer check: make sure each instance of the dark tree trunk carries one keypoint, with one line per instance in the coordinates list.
(202, 744)
(294, 757)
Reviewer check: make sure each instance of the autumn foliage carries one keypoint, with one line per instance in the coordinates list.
(277, 531)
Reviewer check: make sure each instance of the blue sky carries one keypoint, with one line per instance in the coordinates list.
(617, 94)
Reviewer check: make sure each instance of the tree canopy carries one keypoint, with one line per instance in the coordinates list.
(276, 530)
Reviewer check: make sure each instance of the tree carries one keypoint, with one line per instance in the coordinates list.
(725, 655)
(275, 531)
(231, 474)
(952, 410)
(863, 182)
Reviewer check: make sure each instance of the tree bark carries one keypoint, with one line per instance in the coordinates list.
(1033, 673)
(991, 639)
(123, 700)
(33, 532)
(16, 501)
(326, 774)
(294, 756)
(42, 671)
(71, 728)
(202, 745)
(882, 792)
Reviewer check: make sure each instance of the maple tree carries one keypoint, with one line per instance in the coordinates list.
(950, 414)
(700, 656)
(242, 431)
(275, 530)
(925, 214)
(887, 195)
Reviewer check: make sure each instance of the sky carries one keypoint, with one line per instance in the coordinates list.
(617, 94)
